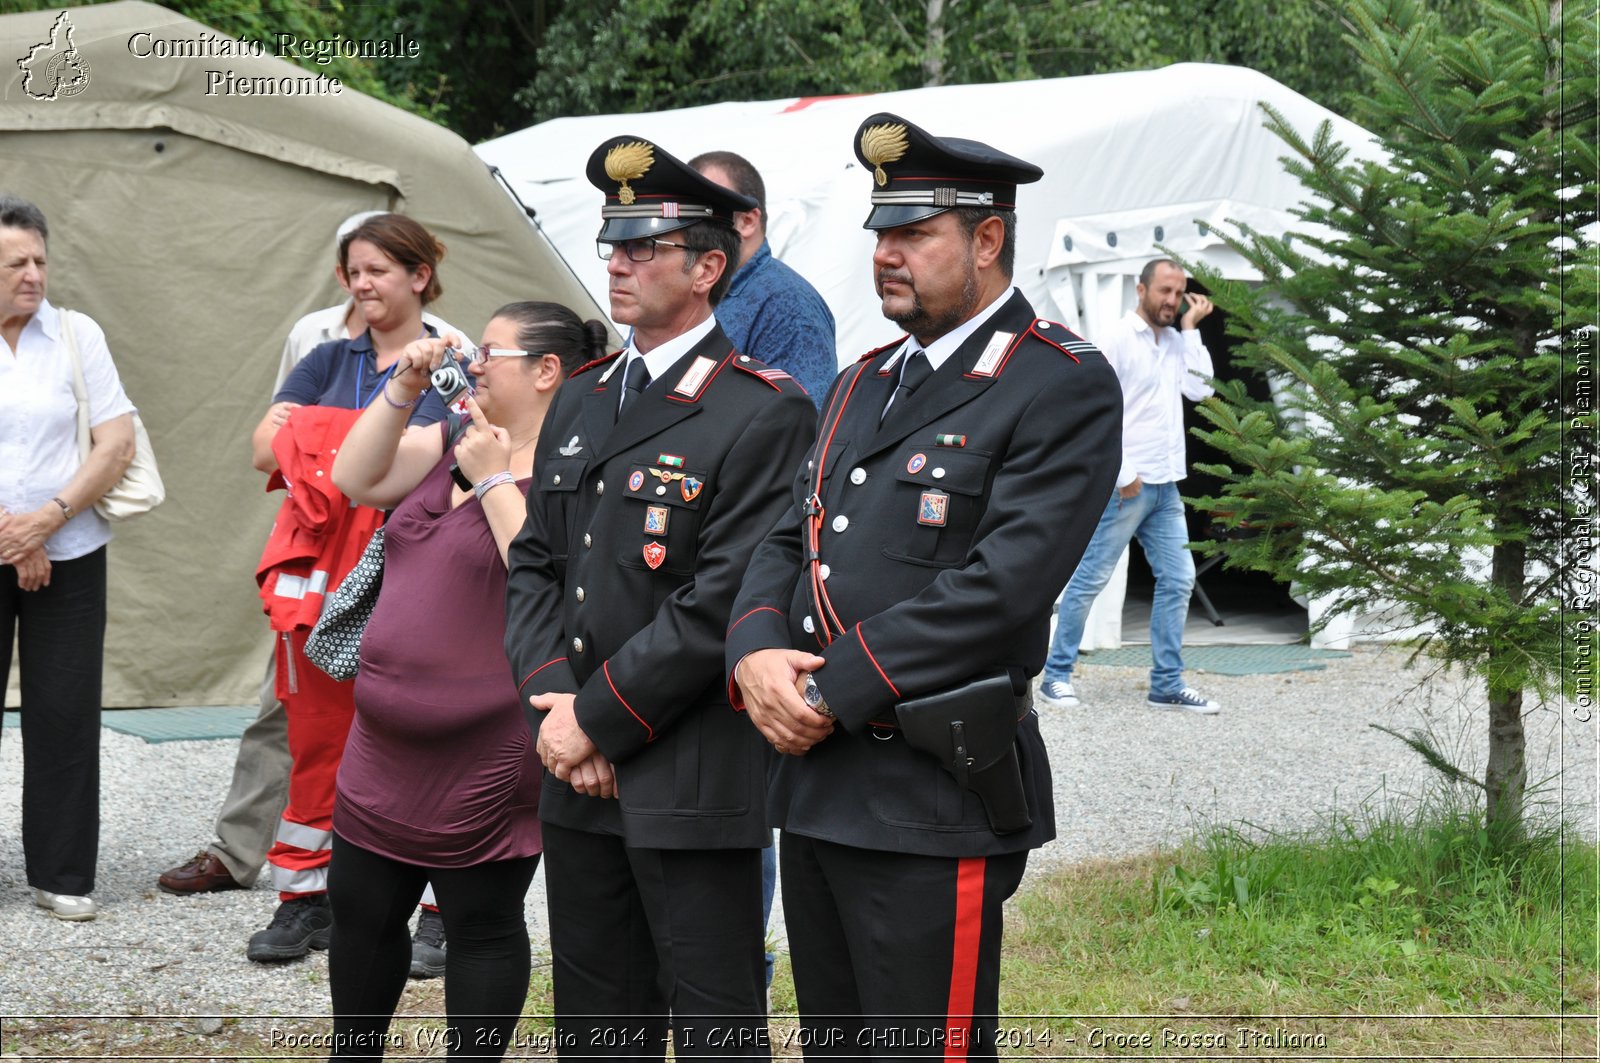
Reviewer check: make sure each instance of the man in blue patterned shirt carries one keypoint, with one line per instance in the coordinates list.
(771, 312)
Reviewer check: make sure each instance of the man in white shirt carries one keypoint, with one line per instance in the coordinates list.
(1158, 367)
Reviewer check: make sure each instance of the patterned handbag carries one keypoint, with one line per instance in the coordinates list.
(334, 644)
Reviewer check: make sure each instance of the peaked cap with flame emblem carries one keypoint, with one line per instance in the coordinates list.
(917, 175)
(650, 193)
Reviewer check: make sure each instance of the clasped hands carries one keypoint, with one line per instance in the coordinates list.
(772, 681)
(568, 753)
(22, 538)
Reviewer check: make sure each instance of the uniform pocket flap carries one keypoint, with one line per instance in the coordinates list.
(561, 474)
(673, 487)
(961, 472)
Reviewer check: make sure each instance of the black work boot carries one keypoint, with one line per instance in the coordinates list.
(297, 927)
(427, 945)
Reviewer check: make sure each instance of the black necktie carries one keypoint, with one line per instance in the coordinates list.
(634, 381)
(912, 374)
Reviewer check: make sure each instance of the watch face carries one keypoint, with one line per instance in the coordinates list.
(813, 695)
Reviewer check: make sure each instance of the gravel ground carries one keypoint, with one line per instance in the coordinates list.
(1286, 750)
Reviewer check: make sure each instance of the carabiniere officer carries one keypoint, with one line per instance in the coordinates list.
(889, 625)
(659, 469)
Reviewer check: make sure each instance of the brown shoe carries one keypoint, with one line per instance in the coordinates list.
(204, 874)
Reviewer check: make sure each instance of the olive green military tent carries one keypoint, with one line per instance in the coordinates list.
(192, 199)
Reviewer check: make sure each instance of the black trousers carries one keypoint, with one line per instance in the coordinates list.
(61, 634)
(895, 956)
(487, 957)
(638, 935)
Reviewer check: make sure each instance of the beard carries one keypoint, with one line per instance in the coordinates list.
(927, 325)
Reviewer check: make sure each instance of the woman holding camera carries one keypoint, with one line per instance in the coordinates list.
(439, 781)
(390, 264)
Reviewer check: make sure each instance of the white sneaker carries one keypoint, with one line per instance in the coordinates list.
(1059, 695)
(1188, 700)
(62, 906)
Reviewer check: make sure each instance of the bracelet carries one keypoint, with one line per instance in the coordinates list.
(488, 483)
(66, 510)
(402, 405)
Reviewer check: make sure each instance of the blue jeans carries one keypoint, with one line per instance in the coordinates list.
(1155, 517)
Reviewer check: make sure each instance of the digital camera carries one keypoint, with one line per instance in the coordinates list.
(450, 380)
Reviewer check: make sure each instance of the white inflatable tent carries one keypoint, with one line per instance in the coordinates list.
(1132, 161)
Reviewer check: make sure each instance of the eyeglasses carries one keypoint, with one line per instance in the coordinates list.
(480, 355)
(637, 250)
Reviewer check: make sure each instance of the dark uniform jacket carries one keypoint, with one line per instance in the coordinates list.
(945, 536)
(623, 576)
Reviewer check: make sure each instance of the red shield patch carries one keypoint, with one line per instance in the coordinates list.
(654, 554)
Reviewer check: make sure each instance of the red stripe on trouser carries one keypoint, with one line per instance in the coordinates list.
(319, 713)
(964, 957)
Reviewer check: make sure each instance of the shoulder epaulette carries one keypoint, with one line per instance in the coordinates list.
(605, 359)
(870, 355)
(1061, 338)
(772, 376)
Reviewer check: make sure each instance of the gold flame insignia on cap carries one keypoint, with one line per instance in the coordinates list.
(629, 162)
(881, 144)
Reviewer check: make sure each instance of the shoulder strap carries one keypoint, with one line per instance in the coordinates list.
(79, 390)
(458, 425)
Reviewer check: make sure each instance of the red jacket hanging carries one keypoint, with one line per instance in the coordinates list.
(318, 534)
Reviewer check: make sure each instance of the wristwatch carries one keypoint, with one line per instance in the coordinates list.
(813, 698)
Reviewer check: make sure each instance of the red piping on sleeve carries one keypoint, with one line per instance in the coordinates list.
(650, 735)
(753, 612)
(537, 670)
(874, 661)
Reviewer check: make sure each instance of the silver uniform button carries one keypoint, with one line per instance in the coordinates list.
(661, 489)
(826, 571)
(938, 474)
(555, 481)
(588, 540)
(810, 628)
(580, 594)
(858, 476)
(841, 522)
(577, 645)
(810, 465)
(599, 487)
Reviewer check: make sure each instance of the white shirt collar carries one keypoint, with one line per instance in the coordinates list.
(661, 359)
(940, 350)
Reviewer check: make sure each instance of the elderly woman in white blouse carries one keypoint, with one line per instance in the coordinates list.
(53, 558)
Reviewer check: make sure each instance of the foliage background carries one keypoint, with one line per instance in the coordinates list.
(490, 67)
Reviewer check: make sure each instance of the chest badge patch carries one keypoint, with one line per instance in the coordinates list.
(654, 554)
(655, 521)
(673, 460)
(571, 449)
(635, 480)
(691, 487)
(916, 463)
(933, 509)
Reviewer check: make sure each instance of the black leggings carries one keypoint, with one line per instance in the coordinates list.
(486, 953)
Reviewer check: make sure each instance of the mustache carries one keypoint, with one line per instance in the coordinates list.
(893, 275)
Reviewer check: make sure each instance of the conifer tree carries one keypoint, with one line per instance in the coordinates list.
(1420, 328)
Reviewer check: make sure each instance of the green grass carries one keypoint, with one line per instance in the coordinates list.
(1368, 925)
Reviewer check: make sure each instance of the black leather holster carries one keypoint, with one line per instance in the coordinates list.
(971, 730)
